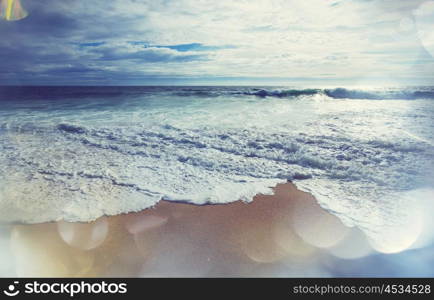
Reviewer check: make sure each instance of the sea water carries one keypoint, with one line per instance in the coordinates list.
(77, 153)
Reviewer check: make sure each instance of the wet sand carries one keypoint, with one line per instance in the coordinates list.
(285, 234)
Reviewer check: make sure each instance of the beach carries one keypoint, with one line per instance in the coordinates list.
(286, 234)
(217, 139)
(286, 230)
(215, 181)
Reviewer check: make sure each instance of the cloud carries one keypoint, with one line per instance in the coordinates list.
(79, 41)
(142, 54)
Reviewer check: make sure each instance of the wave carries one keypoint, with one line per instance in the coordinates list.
(283, 93)
(343, 93)
(109, 170)
(119, 93)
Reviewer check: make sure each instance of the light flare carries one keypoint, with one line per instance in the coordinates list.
(85, 236)
(423, 16)
(12, 10)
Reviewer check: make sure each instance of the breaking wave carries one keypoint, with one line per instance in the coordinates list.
(343, 93)
(113, 92)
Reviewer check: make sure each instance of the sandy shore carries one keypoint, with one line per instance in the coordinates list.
(285, 234)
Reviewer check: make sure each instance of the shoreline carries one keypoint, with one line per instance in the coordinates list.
(286, 234)
(183, 239)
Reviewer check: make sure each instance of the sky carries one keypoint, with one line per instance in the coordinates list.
(270, 42)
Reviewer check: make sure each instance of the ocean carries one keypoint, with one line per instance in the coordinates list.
(77, 153)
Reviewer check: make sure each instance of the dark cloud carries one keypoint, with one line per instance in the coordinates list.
(57, 43)
(43, 23)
